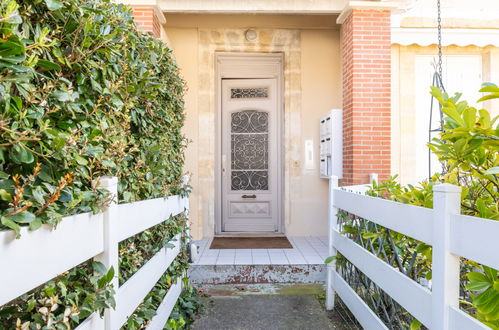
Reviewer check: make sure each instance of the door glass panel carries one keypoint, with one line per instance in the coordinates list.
(250, 121)
(249, 150)
(250, 180)
(249, 93)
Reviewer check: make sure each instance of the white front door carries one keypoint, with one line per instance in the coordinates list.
(250, 156)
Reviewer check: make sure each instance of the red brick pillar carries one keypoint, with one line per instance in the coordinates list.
(147, 20)
(365, 47)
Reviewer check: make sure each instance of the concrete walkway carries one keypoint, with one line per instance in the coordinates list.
(264, 312)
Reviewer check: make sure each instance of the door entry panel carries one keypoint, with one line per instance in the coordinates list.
(250, 160)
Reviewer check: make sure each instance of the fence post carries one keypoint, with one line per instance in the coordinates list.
(445, 266)
(110, 257)
(333, 225)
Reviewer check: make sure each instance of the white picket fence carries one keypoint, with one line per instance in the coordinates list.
(452, 236)
(41, 255)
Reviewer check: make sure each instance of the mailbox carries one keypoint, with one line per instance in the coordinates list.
(331, 144)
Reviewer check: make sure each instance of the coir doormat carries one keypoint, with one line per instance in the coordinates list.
(250, 243)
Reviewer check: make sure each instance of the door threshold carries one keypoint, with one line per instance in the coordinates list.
(246, 234)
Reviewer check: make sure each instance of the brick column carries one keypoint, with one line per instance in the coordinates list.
(366, 57)
(147, 20)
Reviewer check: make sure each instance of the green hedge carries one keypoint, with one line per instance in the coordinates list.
(83, 94)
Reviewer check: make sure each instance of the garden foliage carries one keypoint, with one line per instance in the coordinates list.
(83, 94)
(136, 251)
(468, 149)
(63, 302)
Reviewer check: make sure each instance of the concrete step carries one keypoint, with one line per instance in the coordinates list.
(249, 274)
(284, 289)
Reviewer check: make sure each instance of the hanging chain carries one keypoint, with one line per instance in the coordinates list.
(439, 19)
(437, 82)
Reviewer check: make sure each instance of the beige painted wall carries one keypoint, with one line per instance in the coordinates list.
(321, 91)
(185, 45)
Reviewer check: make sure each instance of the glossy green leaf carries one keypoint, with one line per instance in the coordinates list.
(99, 267)
(11, 225)
(23, 217)
(19, 154)
(469, 116)
(5, 196)
(415, 325)
(35, 224)
(329, 259)
(49, 65)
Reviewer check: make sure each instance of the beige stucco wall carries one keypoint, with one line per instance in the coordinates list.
(315, 49)
(321, 91)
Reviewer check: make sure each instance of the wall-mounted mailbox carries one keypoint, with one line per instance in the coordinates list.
(331, 144)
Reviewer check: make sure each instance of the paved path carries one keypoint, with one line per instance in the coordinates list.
(264, 312)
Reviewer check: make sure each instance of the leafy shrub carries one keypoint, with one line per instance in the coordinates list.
(145, 312)
(188, 307)
(135, 251)
(62, 302)
(468, 148)
(189, 303)
(83, 94)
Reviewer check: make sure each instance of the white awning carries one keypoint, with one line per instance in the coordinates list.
(458, 37)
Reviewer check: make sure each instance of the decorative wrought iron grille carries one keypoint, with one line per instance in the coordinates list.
(249, 150)
(249, 93)
(250, 180)
(250, 121)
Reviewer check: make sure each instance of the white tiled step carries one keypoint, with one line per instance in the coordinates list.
(305, 251)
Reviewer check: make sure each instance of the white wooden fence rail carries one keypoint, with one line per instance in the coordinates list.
(41, 255)
(452, 236)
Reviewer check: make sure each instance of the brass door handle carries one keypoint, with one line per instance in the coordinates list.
(248, 196)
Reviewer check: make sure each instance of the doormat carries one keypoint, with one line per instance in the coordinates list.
(250, 243)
